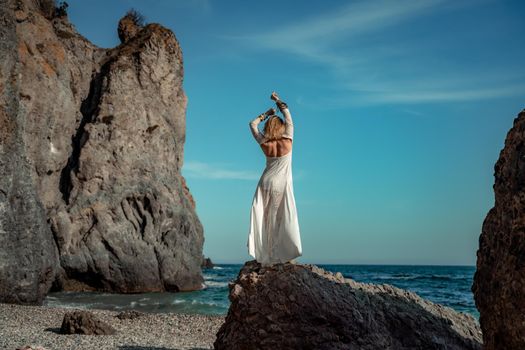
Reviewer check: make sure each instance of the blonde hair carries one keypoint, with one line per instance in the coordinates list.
(274, 128)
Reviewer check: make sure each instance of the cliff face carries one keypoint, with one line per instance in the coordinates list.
(288, 306)
(28, 255)
(91, 196)
(499, 282)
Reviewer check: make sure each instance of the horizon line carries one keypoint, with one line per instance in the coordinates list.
(356, 264)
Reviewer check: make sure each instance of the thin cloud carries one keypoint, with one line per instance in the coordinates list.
(216, 172)
(407, 95)
(313, 37)
(351, 20)
(452, 95)
(377, 74)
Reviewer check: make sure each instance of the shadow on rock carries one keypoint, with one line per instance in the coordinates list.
(53, 329)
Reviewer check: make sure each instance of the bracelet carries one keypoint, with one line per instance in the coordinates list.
(281, 105)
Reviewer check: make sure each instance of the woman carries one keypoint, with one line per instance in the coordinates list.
(274, 229)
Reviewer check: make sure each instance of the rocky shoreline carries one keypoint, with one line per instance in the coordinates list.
(22, 325)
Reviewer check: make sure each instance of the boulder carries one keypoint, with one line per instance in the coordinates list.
(296, 306)
(129, 315)
(84, 322)
(499, 281)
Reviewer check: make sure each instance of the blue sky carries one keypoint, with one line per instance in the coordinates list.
(400, 108)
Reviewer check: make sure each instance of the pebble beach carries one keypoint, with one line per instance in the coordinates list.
(39, 326)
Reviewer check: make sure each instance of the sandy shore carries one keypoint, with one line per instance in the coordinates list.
(39, 326)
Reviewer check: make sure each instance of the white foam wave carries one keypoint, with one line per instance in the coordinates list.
(216, 284)
(194, 301)
(69, 306)
(154, 303)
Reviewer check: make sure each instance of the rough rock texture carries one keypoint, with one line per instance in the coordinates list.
(289, 306)
(129, 315)
(28, 253)
(91, 148)
(499, 281)
(84, 322)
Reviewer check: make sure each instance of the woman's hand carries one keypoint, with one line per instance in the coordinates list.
(274, 96)
(270, 112)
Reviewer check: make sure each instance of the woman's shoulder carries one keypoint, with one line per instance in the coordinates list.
(282, 138)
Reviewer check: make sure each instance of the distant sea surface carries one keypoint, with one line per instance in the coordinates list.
(447, 285)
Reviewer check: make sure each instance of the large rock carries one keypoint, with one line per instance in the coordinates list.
(84, 322)
(289, 306)
(28, 253)
(91, 192)
(499, 281)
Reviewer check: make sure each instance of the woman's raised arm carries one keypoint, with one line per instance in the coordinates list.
(253, 125)
(288, 123)
(255, 129)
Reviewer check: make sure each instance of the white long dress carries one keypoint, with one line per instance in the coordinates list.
(274, 227)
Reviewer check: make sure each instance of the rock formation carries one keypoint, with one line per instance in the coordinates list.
(84, 322)
(289, 306)
(129, 315)
(207, 263)
(91, 148)
(499, 281)
(28, 254)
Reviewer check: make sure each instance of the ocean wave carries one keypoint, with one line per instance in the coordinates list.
(439, 277)
(208, 303)
(153, 303)
(216, 284)
(465, 304)
(71, 305)
(218, 268)
(402, 276)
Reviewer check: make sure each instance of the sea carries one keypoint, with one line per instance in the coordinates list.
(446, 285)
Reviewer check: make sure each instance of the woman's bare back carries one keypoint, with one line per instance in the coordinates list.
(277, 148)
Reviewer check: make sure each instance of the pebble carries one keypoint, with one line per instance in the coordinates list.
(39, 326)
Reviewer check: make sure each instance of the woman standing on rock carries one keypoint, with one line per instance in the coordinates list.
(274, 228)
